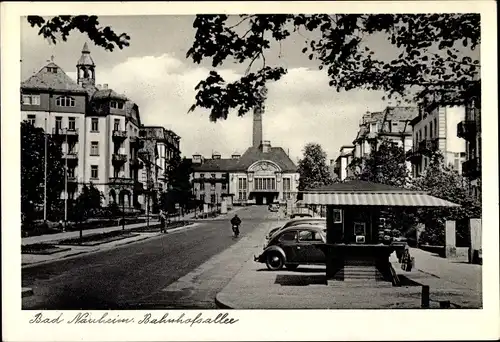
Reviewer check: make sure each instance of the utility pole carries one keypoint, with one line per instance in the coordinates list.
(45, 175)
(66, 184)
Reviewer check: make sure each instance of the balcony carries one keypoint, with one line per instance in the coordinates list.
(471, 169)
(121, 181)
(427, 146)
(71, 179)
(466, 130)
(71, 156)
(119, 158)
(70, 133)
(119, 135)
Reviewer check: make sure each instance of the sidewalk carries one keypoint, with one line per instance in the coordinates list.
(254, 287)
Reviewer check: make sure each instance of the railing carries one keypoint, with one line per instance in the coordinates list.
(471, 168)
(466, 129)
(117, 157)
(119, 134)
(121, 181)
(65, 131)
(70, 155)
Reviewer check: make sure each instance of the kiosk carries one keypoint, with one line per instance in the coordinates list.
(357, 246)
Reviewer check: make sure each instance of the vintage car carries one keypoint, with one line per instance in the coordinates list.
(294, 246)
(274, 207)
(295, 222)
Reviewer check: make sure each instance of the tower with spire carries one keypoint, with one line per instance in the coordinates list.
(85, 69)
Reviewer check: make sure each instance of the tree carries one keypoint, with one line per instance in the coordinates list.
(89, 200)
(179, 184)
(61, 26)
(33, 173)
(433, 54)
(385, 164)
(441, 181)
(313, 169)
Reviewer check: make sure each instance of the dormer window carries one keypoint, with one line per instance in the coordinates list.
(52, 70)
(116, 104)
(65, 101)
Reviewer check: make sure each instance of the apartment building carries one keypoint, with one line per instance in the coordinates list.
(98, 129)
(470, 131)
(342, 162)
(435, 129)
(168, 146)
(392, 124)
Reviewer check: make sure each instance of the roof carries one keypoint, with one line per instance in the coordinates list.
(251, 155)
(215, 165)
(49, 80)
(400, 113)
(108, 93)
(371, 194)
(85, 58)
(275, 154)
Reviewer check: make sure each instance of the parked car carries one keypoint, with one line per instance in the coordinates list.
(294, 246)
(274, 207)
(295, 215)
(295, 222)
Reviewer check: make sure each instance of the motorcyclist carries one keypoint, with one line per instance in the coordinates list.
(236, 221)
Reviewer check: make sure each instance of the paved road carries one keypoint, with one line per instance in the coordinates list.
(135, 276)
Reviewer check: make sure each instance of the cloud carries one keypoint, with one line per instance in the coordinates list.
(301, 107)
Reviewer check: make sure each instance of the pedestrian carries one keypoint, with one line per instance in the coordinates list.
(162, 222)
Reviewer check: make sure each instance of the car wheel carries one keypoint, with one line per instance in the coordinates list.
(274, 261)
(291, 267)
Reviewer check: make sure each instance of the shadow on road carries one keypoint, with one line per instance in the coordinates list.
(300, 280)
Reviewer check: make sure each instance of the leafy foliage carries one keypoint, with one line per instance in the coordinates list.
(179, 184)
(431, 60)
(89, 200)
(313, 169)
(441, 181)
(62, 26)
(386, 164)
(32, 170)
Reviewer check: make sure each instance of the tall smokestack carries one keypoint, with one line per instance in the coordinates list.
(257, 120)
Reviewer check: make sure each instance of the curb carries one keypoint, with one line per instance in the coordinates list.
(221, 305)
(26, 292)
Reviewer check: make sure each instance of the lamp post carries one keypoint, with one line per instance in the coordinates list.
(66, 184)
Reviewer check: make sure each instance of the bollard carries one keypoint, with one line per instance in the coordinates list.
(425, 297)
(444, 304)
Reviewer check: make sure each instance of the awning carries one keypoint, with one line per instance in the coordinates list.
(404, 199)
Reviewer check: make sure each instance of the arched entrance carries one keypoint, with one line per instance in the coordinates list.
(112, 196)
(124, 198)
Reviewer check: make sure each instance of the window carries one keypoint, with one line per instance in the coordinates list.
(71, 172)
(94, 127)
(224, 186)
(430, 130)
(202, 186)
(212, 198)
(58, 123)
(213, 175)
(65, 101)
(307, 235)
(425, 133)
(286, 189)
(337, 216)
(31, 119)
(94, 148)
(435, 128)
(242, 189)
(265, 184)
(71, 124)
(202, 175)
(117, 125)
(33, 100)
(212, 187)
(115, 104)
(288, 236)
(94, 172)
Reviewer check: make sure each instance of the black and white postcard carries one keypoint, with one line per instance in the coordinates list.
(249, 170)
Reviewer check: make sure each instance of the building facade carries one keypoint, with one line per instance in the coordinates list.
(342, 162)
(392, 124)
(97, 127)
(435, 129)
(470, 130)
(263, 174)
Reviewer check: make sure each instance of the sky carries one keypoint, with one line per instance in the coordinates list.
(153, 72)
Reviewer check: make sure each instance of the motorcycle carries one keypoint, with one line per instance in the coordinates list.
(236, 230)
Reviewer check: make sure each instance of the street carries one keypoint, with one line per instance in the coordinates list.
(156, 273)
